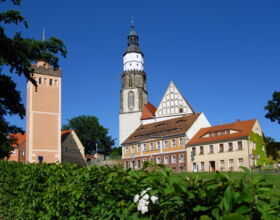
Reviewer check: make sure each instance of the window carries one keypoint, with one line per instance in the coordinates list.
(158, 145)
(165, 143)
(166, 160)
(126, 165)
(13, 153)
(139, 163)
(239, 145)
(66, 149)
(222, 164)
(130, 100)
(151, 159)
(22, 152)
(50, 82)
(230, 163)
(40, 80)
(173, 158)
(240, 162)
(194, 168)
(138, 148)
(201, 150)
(126, 150)
(145, 159)
(221, 147)
(230, 147)
(144, 147)
(202, 165)
(132, 149)
(158, 160)
(211, 149)
(181, 143)
(151, 146)
(173, 143)
(193, 151)
(181, 158)
(210, 134)
(227, 131)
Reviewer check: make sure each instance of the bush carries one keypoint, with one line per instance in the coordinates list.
(64, 191)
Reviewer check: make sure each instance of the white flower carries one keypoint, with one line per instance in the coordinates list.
(136, 198)
(154, 199)
(144, 191)
(145, 197)
(144, 209)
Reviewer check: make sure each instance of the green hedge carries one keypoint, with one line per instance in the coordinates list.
(64, 191)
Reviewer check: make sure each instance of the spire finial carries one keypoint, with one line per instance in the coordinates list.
(44, 34)
(132, 22)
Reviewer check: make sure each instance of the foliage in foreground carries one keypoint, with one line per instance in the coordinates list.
(63, 191)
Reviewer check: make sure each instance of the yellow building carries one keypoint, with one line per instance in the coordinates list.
(224, 147)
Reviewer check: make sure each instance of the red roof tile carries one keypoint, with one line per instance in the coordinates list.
(148, 111)
(19, 139)
(243, 128)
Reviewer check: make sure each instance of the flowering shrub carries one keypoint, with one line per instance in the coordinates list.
(64, 191)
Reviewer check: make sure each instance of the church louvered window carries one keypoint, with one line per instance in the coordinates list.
(130, 100)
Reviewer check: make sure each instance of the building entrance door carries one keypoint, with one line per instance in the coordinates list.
(212, 166)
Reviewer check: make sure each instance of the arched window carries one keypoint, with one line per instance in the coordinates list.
(130, 82)
(130, 100)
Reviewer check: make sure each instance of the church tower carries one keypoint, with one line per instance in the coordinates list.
(43, 138)
(133, 92)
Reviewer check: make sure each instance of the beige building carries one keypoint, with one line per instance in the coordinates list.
(44, 115)
(72, 149)
(223, 147)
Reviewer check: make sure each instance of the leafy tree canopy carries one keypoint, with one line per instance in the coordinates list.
(91, 134)
(17, 54)
(273, 108)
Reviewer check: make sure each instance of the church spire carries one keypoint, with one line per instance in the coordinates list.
(133, 45)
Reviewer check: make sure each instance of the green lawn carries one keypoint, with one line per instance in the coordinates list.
(271, 178)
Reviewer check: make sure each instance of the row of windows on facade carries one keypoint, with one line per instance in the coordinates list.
(152, 147)
(219, 133)
(172, 110)
(158, 160)
(221, 148)
(222, 164)
(46, 81)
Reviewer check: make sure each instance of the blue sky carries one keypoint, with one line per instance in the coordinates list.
(224, 56)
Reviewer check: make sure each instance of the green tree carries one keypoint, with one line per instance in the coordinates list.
(116, 152)
(17, 54)
(92, 135)
(273, 108)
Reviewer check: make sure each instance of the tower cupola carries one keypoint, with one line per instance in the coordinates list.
(133, 58)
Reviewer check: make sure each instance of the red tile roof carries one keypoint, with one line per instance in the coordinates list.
(167, 128)
(19, 139)
(64, 134)
(243, 128)
(148, 111)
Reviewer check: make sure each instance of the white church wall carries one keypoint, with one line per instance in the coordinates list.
(133, 61)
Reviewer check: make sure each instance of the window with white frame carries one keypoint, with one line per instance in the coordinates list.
(194, 167)
(173, 143)
(132, 149)
(138, 147)
(144, 147)
(22, 152)
(145, 159)
(166, 159)
(181, 158)
(193, 151)
(13, 153)
(201, 150)
(239, 145)
(173, 159)
(211, 149)
(230, 163)
(202, 165)
(165, 143)
(158, 144)
(230, 146)
(240, 162)
(222, 164)
(151, 146)
(158, 160)
(221, 148)
(126, 150)
(139, 163)
(181, 141)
